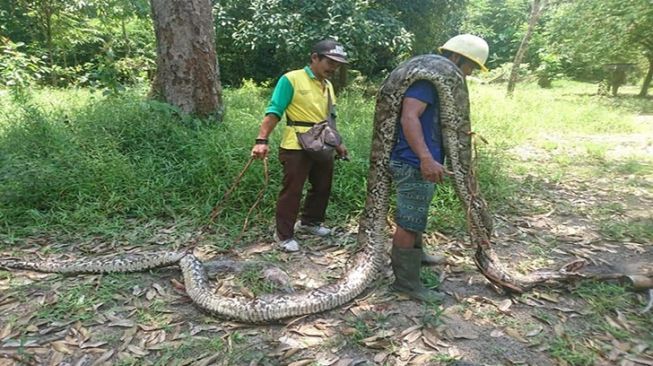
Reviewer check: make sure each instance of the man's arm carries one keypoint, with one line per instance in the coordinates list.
(411, 110)
(280, 100)
(261, 150)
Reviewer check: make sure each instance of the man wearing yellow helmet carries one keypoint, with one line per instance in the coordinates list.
(416, 163)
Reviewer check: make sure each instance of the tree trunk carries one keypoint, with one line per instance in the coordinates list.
(187, 74)
(47, 12)
(536, 10)
(647, 79)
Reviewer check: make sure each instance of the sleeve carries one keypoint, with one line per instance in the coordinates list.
(422, 90)
(281, 97)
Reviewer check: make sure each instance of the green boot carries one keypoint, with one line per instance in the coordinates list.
(427, 259)
(406, 265)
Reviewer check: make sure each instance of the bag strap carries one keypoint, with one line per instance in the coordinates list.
(329, 118)
(331, 111)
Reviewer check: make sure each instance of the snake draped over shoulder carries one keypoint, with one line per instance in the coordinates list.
(455, 123)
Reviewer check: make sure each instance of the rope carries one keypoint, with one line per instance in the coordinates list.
(218, 207)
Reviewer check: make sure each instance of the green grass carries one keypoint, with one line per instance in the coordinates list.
(74, 163)
(78, 302)
(603, 301)
(191, 349)
(573, 353)
(252, 279)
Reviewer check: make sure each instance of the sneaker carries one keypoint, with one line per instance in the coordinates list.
(288, 245)
(317, 230)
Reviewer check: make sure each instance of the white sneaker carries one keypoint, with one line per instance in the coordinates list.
(288, 245)
(317, 230)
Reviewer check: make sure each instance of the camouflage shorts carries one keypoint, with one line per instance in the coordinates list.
(414, 195)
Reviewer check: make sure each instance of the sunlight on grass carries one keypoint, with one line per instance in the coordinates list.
(81, 162)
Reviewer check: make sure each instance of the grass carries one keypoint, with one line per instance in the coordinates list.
(78, 302)
(573, 353)
(191, 349)
(76, 165)
(603, 301)
(251, 278)
(80, 163)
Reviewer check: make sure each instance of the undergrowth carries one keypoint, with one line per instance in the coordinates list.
(80, 163)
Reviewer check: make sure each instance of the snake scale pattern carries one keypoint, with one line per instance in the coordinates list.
(454, 113)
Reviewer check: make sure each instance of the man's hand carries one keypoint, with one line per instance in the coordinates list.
(432, 170)
(342, 152)
(260, 151)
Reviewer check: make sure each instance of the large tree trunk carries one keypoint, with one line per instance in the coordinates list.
(536, 10)
(187, 74)
(647, 79)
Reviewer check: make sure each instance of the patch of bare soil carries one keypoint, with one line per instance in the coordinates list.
(146, 319)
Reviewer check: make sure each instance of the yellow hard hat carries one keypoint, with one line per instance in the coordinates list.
(468, 45)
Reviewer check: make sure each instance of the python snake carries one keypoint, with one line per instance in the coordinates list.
(457, 136)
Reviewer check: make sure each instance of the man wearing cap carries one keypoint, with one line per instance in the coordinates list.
(416, 163)
(303, 95)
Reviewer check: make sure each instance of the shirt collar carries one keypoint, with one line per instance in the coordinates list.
(309, 72)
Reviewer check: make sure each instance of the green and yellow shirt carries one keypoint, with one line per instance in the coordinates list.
(302, 97)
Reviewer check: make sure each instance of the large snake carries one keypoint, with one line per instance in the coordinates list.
(457, 136)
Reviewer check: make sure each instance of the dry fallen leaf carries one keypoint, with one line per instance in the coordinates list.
(304, 362)
(309, 330)
(380, 357)
(125, 323)
(412, 337)
(421, 359)
(559, 330)
(102, 359)
(535, 331)
(515, 334)
(92, 344)
(344, 362)
(5, 331)
(497, 333)
(137, 350)
(61, 346)
(56, 359)
(504, 305)
(410, 330)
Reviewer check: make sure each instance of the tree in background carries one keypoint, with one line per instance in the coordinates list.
(501, 23)
(536, 11)
(187, 74)
(100, 43)
(432, 22)
(261, 39)
(589, 34)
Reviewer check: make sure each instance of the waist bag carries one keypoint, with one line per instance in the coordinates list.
(322, 138)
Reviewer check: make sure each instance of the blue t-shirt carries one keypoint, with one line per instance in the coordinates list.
(424, 91)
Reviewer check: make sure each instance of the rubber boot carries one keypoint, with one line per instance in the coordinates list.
(427, 259)
(406, 265)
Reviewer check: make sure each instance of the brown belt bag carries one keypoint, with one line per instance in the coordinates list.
(321, 140)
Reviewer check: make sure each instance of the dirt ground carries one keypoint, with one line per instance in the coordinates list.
(146, 318)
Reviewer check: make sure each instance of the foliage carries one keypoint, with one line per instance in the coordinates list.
(626, 29)
(276, 35)
(501, 22)
(81, 41)
(431, 22)
(18, 69)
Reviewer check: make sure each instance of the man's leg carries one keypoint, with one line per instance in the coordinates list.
(295, 171)
(317, 198)
(414, 196)
(403, 239)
